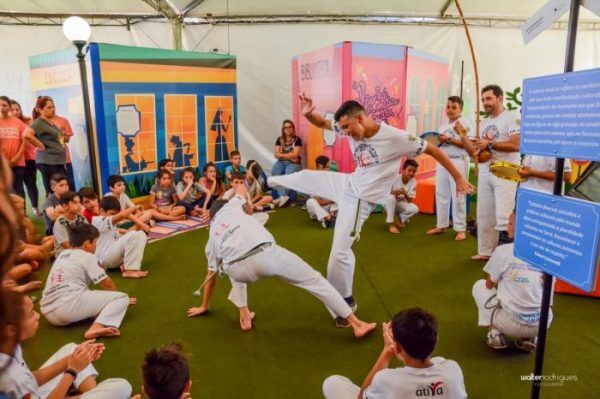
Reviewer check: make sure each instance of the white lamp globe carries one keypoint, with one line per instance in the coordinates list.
(76, 29)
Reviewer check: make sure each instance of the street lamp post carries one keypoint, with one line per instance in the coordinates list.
(78, 31)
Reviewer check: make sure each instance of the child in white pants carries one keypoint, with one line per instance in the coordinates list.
(115, 250)
(70, 366)
(321, 209)
(248, 252)
(400, 200)
(67, 299)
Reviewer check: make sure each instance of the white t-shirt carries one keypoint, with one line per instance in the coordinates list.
(443, 380)
(233, 233)
(541, 163)
(72, 272)
(108, 234)
(519, 284)
(16, 380)
(447, 129)
(410, 187)
(378, 158)
(227, 195)
(500, 129)
(124, 200)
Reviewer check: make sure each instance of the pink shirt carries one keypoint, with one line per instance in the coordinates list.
(11, 137)
(208, 184)
(64, 125)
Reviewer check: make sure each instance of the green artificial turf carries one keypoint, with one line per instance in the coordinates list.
(295, 346)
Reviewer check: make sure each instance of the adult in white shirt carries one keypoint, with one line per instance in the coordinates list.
(500, 133)
(510, 299)
(400, 200)
(411, 337)
(67, 298)
(70, 366)
(248, 252)
(539, 173)
(445, 188)
(378, 150)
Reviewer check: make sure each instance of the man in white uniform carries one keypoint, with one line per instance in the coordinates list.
(378, 150)
(539, 173)
(509, 300)
(400, 200)
(500, 134)
(67, 299)
(248, 252)
(411, 337)
(445, 188)
(115, 250)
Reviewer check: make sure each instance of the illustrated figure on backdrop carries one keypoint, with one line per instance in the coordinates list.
(181, 158)
(132, 165)
(219, 126)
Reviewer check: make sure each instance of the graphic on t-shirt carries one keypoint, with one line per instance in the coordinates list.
(491, 133)
(432, 390)
(365, 155)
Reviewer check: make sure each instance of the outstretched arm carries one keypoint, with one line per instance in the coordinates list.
(462, 186)
(308, 110)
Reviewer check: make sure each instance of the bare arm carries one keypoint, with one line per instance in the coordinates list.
(462, 186)
(29, 135)
(489, 284)
(45, 374)
(512, 145)
(124, 214)
(185, 192)
(308, 110)
(383, 361)
(53, 212)
(108, 285)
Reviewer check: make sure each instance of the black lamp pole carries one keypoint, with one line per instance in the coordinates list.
(81, 45)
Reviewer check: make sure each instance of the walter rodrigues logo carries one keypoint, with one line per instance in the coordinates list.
(435, 389)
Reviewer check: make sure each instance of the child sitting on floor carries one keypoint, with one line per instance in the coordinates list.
(163, 196)
(192, 195)
(52, 208)
(166, 373)
(399, 206)
(236, 167)
(211, 179)
(319, 208)
(67, 298)
(71, 215)
(115, 250)
(258, 200)
(89, 201)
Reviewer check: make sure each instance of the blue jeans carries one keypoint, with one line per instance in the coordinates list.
(286, 168)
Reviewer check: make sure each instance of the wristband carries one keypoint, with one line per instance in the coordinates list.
(490, 146)
(71, 372)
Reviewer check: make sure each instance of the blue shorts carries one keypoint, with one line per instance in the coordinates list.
(189, 206)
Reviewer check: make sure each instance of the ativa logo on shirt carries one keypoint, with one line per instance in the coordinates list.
(365, 155)
(432, 390)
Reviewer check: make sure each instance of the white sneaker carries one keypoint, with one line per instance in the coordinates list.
(275, 202)
(526, 344)
(495, 340)
(283, 200)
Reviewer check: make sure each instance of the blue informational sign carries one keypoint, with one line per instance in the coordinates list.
(559, 235)
(561, 115)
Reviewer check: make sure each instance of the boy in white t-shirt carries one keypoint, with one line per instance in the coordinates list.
(70, 216)
(445, 189)
(400, 201)
(378, 150)
(539, 172)
(67, 299)
(509, 300)
(410, 337)
(115, 249)
(322, 209)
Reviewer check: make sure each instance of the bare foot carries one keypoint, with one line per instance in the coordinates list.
(363, 329)
(98, 330)
(460, 236)
(199, 311)
(182, 217)
(246, 320)
(28, 287)
(480, 257)
(436, 230)
(132, 301)
(134, 273)
(393, 229)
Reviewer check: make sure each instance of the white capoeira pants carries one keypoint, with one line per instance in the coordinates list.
(495, 202)
(445, 194)
(351, 215)
(317, 211)
(491, 314)
(405, 210)
(113, 388)
(275, 261)
(107, 307)
(340, 387)
(127, 250)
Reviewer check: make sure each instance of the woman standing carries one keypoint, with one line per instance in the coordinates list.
(52, 160)
(287, 151)
(30, 178)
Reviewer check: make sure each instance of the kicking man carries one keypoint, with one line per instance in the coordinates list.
(248, 252)
(378, 150)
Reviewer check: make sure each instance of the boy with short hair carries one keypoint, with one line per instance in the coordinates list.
(411, 337)
(167, 164)
(319, 208)
(89, 200)
(400, 200)
(116, 250)
(509, 300)
(258, 200)
(70, 216)
(236, 166)
(52, 208)
(67, 298)
(166, 373)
